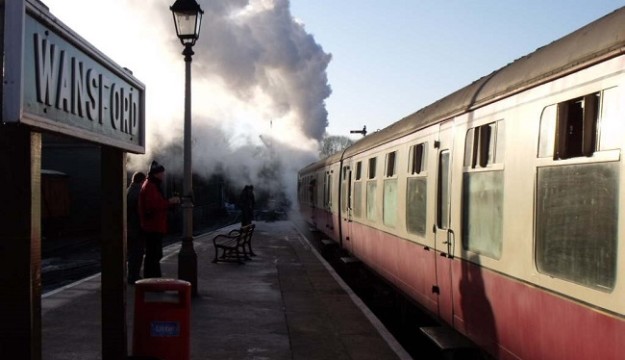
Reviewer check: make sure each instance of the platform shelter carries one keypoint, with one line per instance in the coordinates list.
(53, 81)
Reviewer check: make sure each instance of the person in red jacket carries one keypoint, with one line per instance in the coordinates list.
(153, 208)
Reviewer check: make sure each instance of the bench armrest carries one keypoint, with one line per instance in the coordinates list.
(225, 238)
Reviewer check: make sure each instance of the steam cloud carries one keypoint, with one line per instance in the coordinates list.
(259, 90)
(257, 45)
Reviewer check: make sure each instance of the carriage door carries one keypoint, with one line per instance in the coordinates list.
(443, 233)
(346, 207)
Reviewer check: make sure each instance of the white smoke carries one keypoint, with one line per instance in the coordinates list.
(257, 74)
(264, 56)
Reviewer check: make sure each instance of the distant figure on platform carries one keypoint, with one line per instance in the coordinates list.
(246, 202)
(135, 240)
(252, 201)
(153, 208)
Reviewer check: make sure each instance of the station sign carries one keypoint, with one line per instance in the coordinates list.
(59, 82)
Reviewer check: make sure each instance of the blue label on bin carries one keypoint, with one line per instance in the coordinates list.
(164, 328)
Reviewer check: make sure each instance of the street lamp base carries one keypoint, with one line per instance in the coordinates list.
(187, 264)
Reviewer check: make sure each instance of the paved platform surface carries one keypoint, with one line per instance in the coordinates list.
(284, 304)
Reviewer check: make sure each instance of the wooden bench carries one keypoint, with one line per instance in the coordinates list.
(234, 245)
(247, 240)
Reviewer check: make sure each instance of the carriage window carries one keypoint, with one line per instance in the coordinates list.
(500, 144)
(372, 187)
(581, 126)
(327, 189)
(611, 125)
(358, 199)
(442, 215)
(547, 132)
(482, 215)
(390, 164)
(484, 145)
(346, 197)
(372, 168)
(576, 223)
(576, 127)
(482, 191)
(416, 205)
(313, 191)
(417, 158)
(358, 191)
(416, 191)
(359, 170)
(390, 202)
(468, 147)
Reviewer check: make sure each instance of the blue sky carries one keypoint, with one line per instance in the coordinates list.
(391, 58)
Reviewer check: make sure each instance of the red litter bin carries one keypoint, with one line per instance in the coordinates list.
(162, 319)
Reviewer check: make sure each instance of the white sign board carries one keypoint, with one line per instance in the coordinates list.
(59, 82)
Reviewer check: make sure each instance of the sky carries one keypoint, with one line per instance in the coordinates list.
(391, 58)
(271, 78)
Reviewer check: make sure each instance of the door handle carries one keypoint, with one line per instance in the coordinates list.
(451, 238)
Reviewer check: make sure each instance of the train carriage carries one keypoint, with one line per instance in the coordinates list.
(497, 208)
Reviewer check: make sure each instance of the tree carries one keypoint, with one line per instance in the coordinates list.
(333, 143)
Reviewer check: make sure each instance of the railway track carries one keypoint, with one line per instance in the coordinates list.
(67, 260)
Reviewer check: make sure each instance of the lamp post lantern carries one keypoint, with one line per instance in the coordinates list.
(187, 19)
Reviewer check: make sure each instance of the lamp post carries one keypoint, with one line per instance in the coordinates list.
(187, 18)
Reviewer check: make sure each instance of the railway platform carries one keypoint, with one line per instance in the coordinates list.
(286, 303)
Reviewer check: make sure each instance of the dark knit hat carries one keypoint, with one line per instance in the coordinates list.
(138, 177)
(155, 168)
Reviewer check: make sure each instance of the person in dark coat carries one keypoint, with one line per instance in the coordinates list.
(135, 241)
(153, 208)
(246, 203)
